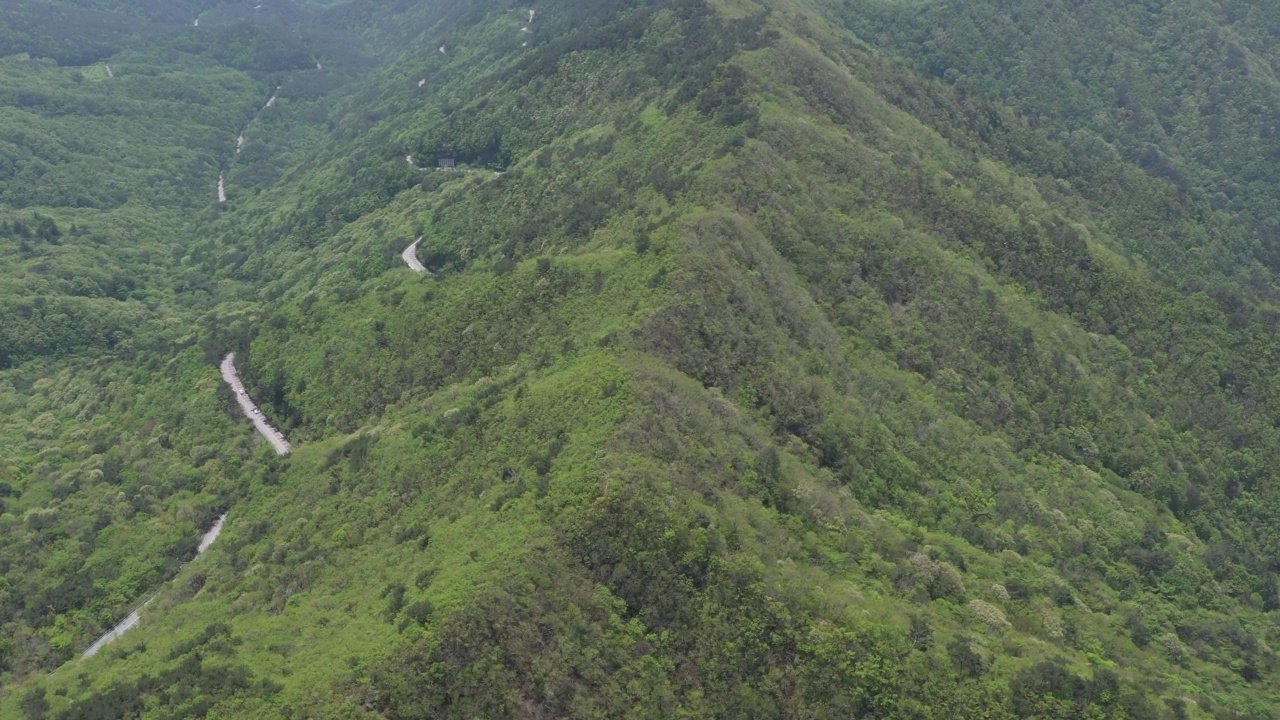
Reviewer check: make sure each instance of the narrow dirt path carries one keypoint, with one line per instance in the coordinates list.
(410, 256)
(251, 411)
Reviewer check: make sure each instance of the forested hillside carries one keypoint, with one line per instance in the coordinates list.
(768, 358)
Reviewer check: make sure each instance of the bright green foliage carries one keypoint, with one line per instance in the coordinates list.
(779, 358)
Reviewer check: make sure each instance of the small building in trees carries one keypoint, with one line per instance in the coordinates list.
(448, 164)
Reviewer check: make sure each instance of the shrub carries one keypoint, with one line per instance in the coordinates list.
(988, 614)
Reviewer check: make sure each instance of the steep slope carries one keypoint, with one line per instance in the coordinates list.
(761, 376)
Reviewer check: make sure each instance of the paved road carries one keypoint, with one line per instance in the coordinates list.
(251, 410)
(410, 256)
(212, 535)
(115, 632)
(241, 140)
(134, 617)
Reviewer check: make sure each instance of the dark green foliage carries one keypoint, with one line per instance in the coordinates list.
(964, 658)
(190, 689)
(1051, 690)
(394, 595)
(417, 532)
(34, 704)
(419, 612)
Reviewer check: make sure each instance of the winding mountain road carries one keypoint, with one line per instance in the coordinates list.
(232, 378)
(251, 411)
(410, 256)
(135, 617)
(241, 140)
(277, 441)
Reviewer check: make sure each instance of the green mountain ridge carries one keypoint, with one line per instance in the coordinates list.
(781, 358)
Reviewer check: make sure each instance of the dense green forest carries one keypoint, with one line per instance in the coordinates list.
(774, 358)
